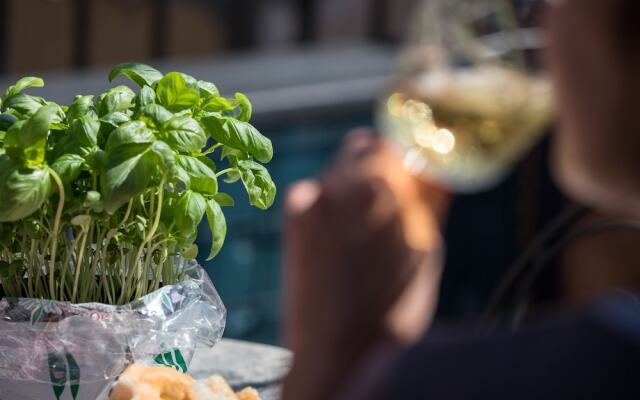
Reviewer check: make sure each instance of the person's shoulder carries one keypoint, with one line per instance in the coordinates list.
(593, 353)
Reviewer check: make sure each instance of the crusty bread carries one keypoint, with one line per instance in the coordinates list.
(163, 383)
(248, 393)
(139, 382)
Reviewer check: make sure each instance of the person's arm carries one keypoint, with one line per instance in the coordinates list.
(359, 264)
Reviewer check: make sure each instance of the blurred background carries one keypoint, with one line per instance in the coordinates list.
(313, 70)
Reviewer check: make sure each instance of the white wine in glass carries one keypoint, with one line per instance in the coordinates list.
(469, 99)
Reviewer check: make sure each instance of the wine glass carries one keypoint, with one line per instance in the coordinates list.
(470, 96)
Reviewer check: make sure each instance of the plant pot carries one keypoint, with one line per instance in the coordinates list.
(56, 350)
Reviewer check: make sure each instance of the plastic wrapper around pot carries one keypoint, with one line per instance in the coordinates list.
(57, 350)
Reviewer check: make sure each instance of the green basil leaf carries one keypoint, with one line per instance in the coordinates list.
(170, 200)
(26, 144)
(6, 121)
(57, 142)
(115, 119)
(84, 130)
(258, 183)
(25, 104)
(207, 161)
(184, 134)
(232, 177)
(155, 115)
(165, 154)
(198, 175)
(22, 84)
(174, 93)
(131, 132)
(115, 99)
(140, 74)
(238, 108)
(11, 142)
(75, 143)
(191, 82)
(58, 118)
(224, 199)
(184, 242)
(245, 107)
(182, 176)
(93, 200)
(217, 226)
(219, 104)
(190, 252)
(15, 114)
(239, 135)
(188, 212)
(68, 167)
(208, 89)
(96, 159)
(128, 172)
(22, 190)
(146, 96)
(82, 105)
(233, 155)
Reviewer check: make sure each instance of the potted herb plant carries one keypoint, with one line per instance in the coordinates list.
(100, 203)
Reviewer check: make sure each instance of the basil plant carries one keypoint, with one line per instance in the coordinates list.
(100, 201)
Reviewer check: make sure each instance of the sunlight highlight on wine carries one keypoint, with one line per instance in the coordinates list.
(464, 128)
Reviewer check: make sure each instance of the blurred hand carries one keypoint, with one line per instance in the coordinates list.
(362, 263)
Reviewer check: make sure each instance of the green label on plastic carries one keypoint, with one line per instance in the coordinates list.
(63, 369)
(173, 359)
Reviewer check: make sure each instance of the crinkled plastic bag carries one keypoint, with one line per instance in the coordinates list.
(57, 350)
